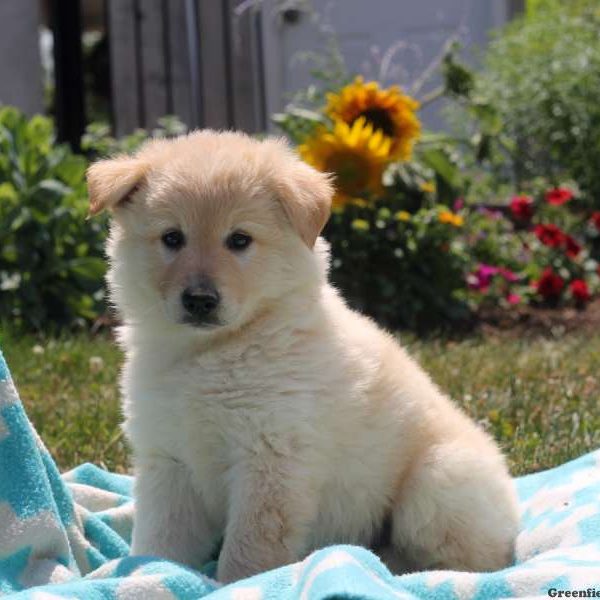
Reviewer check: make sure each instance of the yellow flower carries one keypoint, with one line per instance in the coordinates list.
(402, 215)
(360, 225)
(451, 218)
(428, 187)
(355, 154)
(387, 110)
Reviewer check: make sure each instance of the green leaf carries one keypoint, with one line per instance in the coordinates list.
(88, 267)
(438, 160)
(55, 187)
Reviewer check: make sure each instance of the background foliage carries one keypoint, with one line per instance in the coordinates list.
(51, 264)
(439, 238)
(532, 107)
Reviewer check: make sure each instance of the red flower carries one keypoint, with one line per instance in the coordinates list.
(580, 291)
(550, 285)
(559, 196)
(550, 235)
(595, 219)
(572, 247)
(513, 298)
(521, 208)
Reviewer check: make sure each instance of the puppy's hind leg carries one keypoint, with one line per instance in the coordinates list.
(457, 509)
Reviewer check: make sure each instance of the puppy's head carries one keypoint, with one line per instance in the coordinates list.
(210, 228)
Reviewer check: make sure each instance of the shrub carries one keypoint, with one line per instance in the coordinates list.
(51, 264)
(404, 269)
(97, 142)
(536, 99)
(538, 250)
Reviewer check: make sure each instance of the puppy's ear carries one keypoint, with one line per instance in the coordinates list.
(305, 195)
(113, 181)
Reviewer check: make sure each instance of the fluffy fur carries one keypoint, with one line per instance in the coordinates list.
(291, 422)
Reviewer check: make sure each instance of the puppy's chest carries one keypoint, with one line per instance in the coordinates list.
(221, 412)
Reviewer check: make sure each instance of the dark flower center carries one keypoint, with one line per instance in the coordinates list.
(379, 119)
(351, 172)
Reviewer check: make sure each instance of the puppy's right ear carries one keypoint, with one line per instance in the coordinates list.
(113, 181)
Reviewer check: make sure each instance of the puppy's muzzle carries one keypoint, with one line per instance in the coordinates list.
(200, 304)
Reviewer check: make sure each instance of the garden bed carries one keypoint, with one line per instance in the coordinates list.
(528, 321)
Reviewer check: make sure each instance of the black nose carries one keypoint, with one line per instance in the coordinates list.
(200, 303)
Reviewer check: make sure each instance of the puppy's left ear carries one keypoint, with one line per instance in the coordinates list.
(305, 195)
(113, 181)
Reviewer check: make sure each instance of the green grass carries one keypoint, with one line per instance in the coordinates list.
(539, 398)
(73, 403)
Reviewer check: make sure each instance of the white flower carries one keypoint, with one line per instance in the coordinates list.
(96, 364)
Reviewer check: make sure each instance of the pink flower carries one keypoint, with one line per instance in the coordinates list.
(495, 215)
(459, 204)
(513, 299)
(508, 275)
(481, 278)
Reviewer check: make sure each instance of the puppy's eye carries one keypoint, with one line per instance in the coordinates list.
(238, 241)
(173, 239)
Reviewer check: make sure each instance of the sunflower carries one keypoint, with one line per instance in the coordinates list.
(355, 154)
(386, 110)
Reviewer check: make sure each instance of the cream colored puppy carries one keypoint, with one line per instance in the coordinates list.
(262, 411)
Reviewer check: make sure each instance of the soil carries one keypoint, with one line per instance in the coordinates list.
(539, 321)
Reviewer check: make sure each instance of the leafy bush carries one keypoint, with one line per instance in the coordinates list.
(405, 269)
(97, 142)
(537, 250)
(535, 102)
(51, 264)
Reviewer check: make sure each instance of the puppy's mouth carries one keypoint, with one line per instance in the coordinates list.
(206, 323)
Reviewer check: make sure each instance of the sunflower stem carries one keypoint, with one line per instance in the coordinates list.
(432, 96)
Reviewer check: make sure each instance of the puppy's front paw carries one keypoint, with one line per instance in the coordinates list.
(229, 570)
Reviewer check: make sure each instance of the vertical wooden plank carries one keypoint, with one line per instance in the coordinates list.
(272, 56)
(215, 72)
(153, 64)
(123, 66)
(247, 84)
(180, 62)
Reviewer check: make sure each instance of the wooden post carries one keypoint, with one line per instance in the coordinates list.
(68, 67)
(127, 102)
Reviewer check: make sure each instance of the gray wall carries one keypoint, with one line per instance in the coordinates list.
(366, 30)
(20, 65)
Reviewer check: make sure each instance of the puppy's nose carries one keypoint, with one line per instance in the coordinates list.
(200, 302)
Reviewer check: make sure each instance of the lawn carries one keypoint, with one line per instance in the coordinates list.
(538, 397)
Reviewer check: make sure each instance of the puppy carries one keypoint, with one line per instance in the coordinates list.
(261, 410)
